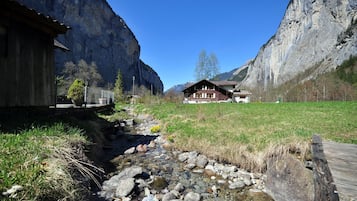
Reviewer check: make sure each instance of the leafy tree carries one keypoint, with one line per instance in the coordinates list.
(76, 91)
(207, 67)
(118, 88)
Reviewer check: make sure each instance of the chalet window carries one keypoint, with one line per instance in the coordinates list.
(210, 95)
(3, 41)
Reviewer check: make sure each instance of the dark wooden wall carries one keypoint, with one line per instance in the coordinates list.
(26, 66)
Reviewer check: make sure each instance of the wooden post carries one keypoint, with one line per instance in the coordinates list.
(325, 189)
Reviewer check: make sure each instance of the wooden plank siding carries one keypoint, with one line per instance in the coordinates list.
(27, 71)
(27, 76)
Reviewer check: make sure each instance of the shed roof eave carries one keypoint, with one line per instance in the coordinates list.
(21, 13)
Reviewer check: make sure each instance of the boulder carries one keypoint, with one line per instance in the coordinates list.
(288, 179)
(191, 196)
(201, 161)
(130, 150)
(237, 185)
(125, 186)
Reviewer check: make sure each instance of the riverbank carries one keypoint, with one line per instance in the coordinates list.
(152, 169)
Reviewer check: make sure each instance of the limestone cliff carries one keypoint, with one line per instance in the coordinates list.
(98, 34)
(313, 34)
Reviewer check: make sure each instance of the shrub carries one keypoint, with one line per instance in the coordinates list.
(76, 91)
(155, 129)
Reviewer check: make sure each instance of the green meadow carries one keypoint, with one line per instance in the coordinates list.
(246, 134)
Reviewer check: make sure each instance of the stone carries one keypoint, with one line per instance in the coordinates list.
(159, 183)
(150, 198)
(198, 171)
(190, 166)
(129, 122)
(224, 175)
(288, 179)
(131, 172)
(201, 161)
(214, 190)
(125, 186)
(247, 182)
(167, 146)
(141, 183)
(221, 181)
(192, 160)
(191, 196)
(219, 167)
(14, 189)
(209, 173)
(210, 167)
(183, 156)
(229, 169)
(130, 150)
(176, 193)
(179, 187)
(120, 183)
(152, 144)
(169, 196)
(258, 195)
(141, 148)
(237, 185)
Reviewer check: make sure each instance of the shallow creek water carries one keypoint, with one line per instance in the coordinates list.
(162, 171)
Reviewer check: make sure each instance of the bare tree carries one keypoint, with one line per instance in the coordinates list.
(207, 67)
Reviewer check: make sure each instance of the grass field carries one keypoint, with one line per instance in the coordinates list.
(246, 134)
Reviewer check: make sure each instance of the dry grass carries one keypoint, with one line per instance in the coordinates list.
(63, 165)
(241, 154)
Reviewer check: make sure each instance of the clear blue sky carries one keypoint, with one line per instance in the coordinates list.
(172, 33)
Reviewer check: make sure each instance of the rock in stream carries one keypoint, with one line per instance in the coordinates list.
(148, 172)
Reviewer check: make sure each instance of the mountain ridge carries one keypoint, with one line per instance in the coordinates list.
(319, 33)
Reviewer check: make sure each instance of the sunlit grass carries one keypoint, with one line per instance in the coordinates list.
(31, 159)
(241, 132)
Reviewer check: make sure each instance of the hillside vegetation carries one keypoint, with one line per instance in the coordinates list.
(337, 85)
(246, 134)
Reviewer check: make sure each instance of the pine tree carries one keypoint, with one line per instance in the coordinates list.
(118, 88)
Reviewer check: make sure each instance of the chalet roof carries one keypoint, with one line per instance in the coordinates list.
(220, 88)
(15, 10)
(224, 83)
(217, 83)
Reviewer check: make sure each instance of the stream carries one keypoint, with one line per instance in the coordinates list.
(147, 168)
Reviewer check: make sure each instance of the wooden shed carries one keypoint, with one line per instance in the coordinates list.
(27, 74)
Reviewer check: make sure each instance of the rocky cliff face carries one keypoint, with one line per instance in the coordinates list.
(98, 34)
(318, 34)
